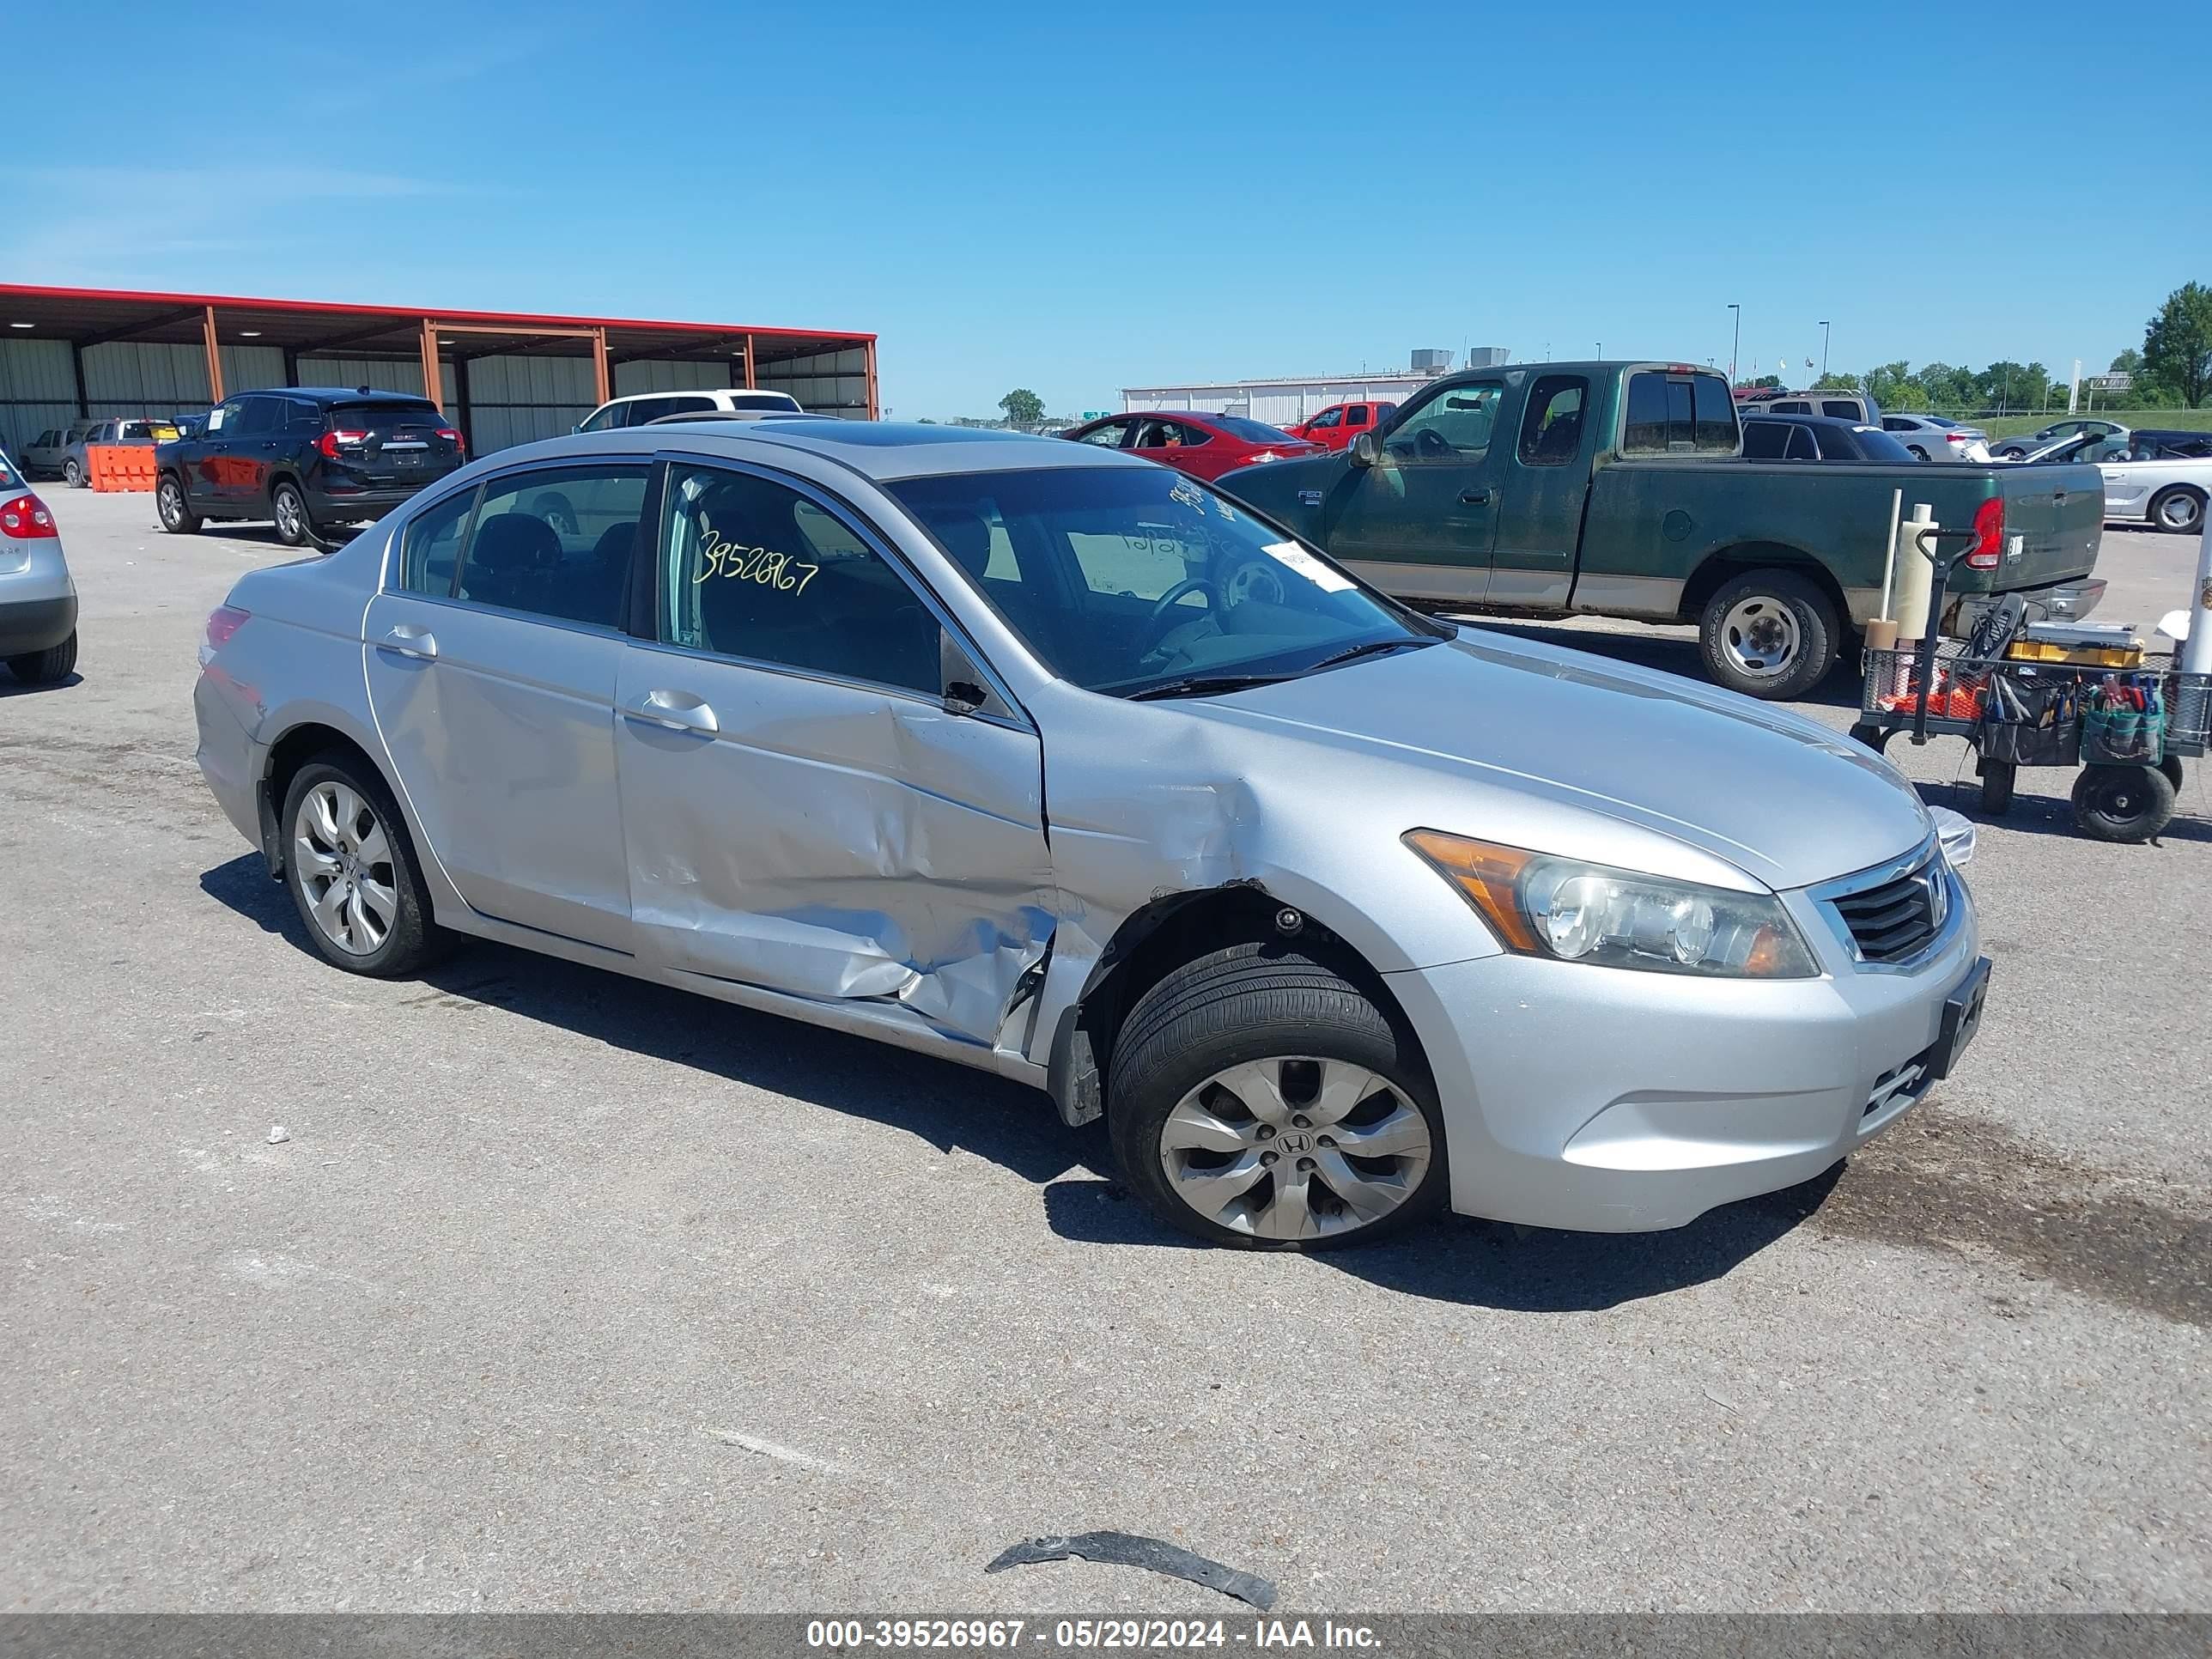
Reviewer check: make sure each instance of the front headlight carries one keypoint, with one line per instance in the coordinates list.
(1542, 906)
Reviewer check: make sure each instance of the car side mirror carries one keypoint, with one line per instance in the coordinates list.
(1366, 449)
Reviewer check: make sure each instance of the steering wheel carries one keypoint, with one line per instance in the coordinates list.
(1431, 445)
(1162, 621)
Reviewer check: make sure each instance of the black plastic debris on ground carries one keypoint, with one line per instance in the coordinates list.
(1125, 1549)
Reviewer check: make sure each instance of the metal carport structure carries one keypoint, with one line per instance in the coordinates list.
(503, 377)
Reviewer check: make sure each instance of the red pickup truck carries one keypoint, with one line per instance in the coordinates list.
(1335, 426)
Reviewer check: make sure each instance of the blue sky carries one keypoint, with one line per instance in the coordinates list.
(1078, 198)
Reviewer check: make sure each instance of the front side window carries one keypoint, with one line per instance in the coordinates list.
(1108, 436)
(261, 416)
(1452, 427)
(751, 568)
(1552, 427)
(1328, 417)
(1139, 580)
(223, 421)
(601, 419)
(556, 543)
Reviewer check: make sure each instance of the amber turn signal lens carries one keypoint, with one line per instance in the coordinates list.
(1486, 875)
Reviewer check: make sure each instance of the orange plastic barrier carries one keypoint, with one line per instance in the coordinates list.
(120, 466)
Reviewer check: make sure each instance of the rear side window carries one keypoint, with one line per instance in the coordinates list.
(556, 543)
(651, 408)
(432, 550)
(305, 419)
(1356, 416)
(1792, 407)
(1678, 415)
(1552, 427)
(1764, 440)
(1802, 447)
(1840, 410)
(261, 416)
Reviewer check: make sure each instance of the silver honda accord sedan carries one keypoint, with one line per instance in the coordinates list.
(1055, 763)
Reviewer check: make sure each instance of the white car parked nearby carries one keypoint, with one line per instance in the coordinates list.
(1931, 438)
(640, 408)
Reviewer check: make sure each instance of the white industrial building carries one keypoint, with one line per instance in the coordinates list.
(1285, 401)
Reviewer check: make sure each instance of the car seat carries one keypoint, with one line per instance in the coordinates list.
(511, 561)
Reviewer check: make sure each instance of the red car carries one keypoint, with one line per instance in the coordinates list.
(1335, 426)
(1204, 445)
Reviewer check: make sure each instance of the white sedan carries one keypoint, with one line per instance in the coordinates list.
(1930, 438)
(2166, 493)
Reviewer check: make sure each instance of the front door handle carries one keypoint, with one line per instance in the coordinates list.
(677, 711)
(409, 640)
(1475, 498)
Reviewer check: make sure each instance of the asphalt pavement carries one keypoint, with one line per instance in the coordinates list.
(566, 1291)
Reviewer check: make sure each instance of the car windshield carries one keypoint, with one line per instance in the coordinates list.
(1253, 432)
(1136, 580)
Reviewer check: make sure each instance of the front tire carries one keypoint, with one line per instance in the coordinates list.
(73, 475)
(1258, 1098)
(2122, 803)
(289, 509)
(2179, 509)
(177, 518)
(2009, 452)
(45, 668)
(352, 873)
(1768, 634)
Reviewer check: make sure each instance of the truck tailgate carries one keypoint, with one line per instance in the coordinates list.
(2058, 514)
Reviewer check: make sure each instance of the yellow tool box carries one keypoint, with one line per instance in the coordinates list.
(2079, 645)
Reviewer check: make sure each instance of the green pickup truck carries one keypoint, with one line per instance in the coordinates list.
(1620, 489)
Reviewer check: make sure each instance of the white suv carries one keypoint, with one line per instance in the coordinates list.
(641, 407)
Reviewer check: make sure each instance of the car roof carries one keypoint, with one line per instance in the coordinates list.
(1788, 419)
(880, 451)
(334, 394)
(703, 391)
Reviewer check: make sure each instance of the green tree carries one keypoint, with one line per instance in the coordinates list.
(1946, 388)
(2177, 348)
(2010, 386)
(1892, 385)
(1773, 380)
(1837, 383)
(1024, 409)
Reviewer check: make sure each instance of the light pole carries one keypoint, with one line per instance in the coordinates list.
(1736, 345)
(1824, 349)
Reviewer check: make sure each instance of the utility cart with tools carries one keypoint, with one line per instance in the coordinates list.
(2026, 694)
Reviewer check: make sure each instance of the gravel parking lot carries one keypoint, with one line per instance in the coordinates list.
(566, 1291)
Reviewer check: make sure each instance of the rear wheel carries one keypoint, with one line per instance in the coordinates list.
(2009, 452)
(1768, 634)
(44, 667)
(177, 518)
(2122, 803)
(1918, 453)
(291, 511)
(2179, 509)
(352, 873)
(1259, 1098)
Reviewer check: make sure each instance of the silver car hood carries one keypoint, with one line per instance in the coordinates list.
(1781, 798)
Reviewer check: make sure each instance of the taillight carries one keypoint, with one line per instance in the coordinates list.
(26, 519)
(224, 621)
(453, 438)
(1956, 438)
(329, 442)
(1264, 455)
(1988, 536)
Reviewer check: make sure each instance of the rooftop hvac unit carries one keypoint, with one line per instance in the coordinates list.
(1487, 357)
(1429, 360)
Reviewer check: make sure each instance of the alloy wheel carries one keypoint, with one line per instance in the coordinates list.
(1761, 637)
(1297, 1147)
(291, 522)
(344, 862)
(2180, 511)
(171, 502)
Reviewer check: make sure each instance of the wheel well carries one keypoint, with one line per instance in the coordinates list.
(1162, 936)
(286, 756)
(1721, 568)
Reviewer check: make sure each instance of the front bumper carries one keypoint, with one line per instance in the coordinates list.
(1609, 1101)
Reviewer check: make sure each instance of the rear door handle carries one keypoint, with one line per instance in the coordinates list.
(1475, 498)
(677, 711)
(411, 641)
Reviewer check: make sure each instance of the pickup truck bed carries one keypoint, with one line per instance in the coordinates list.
(1538, 489)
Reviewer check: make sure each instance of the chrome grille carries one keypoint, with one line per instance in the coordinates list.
(1894, 920)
